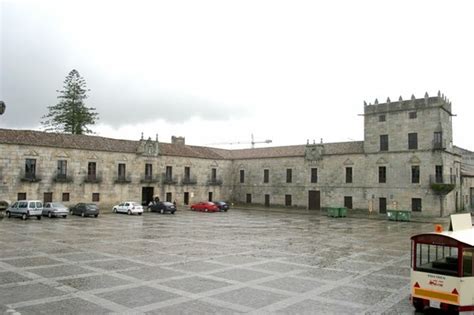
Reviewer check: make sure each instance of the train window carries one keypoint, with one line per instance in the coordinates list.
(467, 262)
(437, 259)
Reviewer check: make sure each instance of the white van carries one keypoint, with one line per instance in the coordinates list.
(26, 209)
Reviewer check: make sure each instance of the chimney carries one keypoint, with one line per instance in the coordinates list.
(178, 140)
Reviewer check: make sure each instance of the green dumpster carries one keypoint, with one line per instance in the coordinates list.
(392, 215)
(333, 212)
(343, 212)
(403, 215)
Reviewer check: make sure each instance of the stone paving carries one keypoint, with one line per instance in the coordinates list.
(241, 261)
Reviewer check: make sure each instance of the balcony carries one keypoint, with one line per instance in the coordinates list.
(148, 179)
(439, 144)
(169, 180)
(30, 178)
(62, 178)
(189, 181)
(214, 182)
(93, 179)
(123, 179)
(442, 184)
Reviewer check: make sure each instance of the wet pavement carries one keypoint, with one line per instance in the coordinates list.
(241, 261)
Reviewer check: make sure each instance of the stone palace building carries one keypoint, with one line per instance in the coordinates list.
(406, 161)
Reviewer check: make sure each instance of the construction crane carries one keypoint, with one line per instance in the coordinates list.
(253, 142)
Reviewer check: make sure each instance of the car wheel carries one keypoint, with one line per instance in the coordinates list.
(115, 210)
(23, 216)
(129, 212)
(64, 216)
(83, 214)
(192, 208)
(49, 215)
(225, 210)
(38, 217)
(8, 214)
(96, 215)
(172, 212)
(139, 213)
(71, 212)
(162, 211)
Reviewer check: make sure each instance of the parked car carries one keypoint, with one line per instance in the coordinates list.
(85, 209)
(128, 207)
(205, 206)
(55, 209)
(163, 207)
(222, 205)
(25, 209)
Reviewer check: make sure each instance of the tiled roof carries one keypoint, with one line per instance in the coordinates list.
(95, 143)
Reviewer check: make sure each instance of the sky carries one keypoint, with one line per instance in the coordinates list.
(216, 72)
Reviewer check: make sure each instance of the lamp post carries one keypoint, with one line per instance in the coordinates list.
(2, 107)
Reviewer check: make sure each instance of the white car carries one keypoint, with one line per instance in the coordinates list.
(128, 207)
(26, 209)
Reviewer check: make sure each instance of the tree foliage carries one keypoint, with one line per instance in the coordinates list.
(71, 115)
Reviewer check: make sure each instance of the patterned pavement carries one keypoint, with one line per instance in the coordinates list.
(241, 261)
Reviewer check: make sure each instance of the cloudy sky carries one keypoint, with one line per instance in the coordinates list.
(219, 71)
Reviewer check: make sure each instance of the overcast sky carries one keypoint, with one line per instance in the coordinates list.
(218, 71)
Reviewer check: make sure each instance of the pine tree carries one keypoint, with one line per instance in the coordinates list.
(71, 115)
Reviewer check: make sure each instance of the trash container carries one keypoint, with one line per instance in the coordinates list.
(403, 215)
(392, 215)
(343, 212)
(333, 212)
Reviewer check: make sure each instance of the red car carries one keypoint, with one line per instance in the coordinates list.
(205, 206)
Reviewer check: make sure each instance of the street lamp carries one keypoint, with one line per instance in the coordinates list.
(2, 107)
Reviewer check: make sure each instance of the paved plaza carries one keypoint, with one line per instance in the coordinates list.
(241, 261)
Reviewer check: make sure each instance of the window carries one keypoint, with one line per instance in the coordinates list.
(214, 174)
(381, 118)
(383, 142)
(148, 171)
(30, 168)
(249, 198)
(169, 173)
(21, 196)
(95, 197)
(210, 196)
(348, 202)
(314, 175)
(48, 197)
(439, 173)
(348, 175)
(416, 204)
(266, 176)
(187, 173)
(412, 141)
(91, 170)
(289, 175)
(169, 196)
(288, 200)
(412, 115)
(65, 197)
(438, 140)
(382, 174)
(121, 171)
(62, 169)
(415, 174)
(242, 176)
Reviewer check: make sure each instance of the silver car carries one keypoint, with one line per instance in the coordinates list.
(25, 209)
(55, 209)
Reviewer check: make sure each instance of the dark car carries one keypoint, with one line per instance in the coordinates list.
(222, 205)
(163, 207)
(85, 209)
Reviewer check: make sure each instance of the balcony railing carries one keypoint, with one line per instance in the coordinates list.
(30, 178)
(442, 179)
(123, 179)
(439, 144)
(189, 181)
(169, 180)
(62, 178)
(93, 179)
(214, 182)
(149, 179)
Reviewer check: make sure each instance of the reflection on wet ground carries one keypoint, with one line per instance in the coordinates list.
(240, 261)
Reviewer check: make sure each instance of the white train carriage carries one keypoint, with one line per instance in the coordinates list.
(442, 267)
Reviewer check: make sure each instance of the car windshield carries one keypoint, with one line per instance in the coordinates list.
(167, 203)
(57, 205)
(91, 205)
